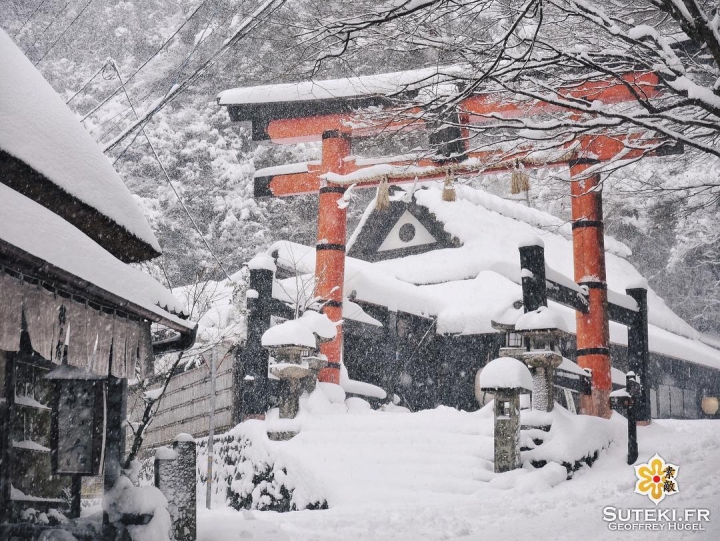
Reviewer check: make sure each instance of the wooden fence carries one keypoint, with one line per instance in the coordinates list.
(185, 407)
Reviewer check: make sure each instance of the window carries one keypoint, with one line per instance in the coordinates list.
(676, 402)
(514, 340)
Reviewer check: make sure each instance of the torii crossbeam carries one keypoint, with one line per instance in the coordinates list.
(332, 112)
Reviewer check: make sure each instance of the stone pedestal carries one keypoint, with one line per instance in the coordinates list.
(542, 365)
(175, 477)
(292, 376)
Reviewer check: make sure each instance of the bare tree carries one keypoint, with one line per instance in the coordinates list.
(150, 390)
(540, 50)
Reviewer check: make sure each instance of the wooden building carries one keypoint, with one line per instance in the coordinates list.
(433, 290)
(75, 317)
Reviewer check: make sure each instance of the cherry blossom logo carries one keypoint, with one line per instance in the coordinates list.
(656, 479)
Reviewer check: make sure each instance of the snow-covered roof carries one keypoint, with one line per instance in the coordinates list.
(491, 229)
(468, 287)
(348, 87)
(37, 128)
(31, 227)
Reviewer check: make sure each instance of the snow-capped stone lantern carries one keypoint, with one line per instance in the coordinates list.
(294, 345)
(542, 329)
(507, 379)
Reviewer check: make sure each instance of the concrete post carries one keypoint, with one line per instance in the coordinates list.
(175, 478)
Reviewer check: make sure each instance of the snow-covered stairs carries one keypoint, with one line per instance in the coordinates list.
(366, 456)
(347, 454)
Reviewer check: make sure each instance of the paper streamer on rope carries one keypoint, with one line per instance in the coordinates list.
(41, 315)
(118, 367)
(146, 359)
(54, 322)
(93, 322)
(382, 199)
(11, 293)
(105, 327)
(132, 348)
(448, 193)
(77, 318)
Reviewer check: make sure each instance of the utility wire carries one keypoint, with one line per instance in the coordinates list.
(98, 72)
(167, 177)
(54, 20)
(41, 4)
(171, 87)
(246, 27)
(64, 32)
(133, 74)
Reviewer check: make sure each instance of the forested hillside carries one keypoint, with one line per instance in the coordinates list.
(157, 45)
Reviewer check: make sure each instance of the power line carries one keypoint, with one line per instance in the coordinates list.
(246, 27)
(54, 19)
(64, 32)
(98, 72)
(167, 178)
(172, 85)
(41, 4)
(133, 74)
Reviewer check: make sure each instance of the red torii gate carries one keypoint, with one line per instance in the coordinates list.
(334, 121)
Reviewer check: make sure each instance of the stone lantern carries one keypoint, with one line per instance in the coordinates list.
(507, 379)
(543, 330)
(294, 345)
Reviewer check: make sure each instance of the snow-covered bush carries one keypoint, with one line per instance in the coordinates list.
(246, 477)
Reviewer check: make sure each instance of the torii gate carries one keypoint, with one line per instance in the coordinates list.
(287, 114)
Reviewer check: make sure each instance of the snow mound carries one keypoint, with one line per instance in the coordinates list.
(505, 373)
(289, 333)
(319, 324)
(262, 262)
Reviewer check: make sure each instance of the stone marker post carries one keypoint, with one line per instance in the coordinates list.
(175, 477)
(507, 429)
(507, 378)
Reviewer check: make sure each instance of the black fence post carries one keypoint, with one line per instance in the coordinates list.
(532, 269)
(634, 390)
(251, 365)
(638, 355)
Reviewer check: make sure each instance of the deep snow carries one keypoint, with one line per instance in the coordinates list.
(456, 505)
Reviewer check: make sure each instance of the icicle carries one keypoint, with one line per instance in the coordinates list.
(382, 200)
(448, 193)
(520, 180)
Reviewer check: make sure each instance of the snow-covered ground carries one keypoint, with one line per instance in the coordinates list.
(395, 475)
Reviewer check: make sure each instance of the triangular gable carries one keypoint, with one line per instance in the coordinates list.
(401, 230)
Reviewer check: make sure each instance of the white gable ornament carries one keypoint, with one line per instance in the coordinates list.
(407, 233)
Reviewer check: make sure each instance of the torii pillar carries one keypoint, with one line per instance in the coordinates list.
(593, 335)
(330, 247)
